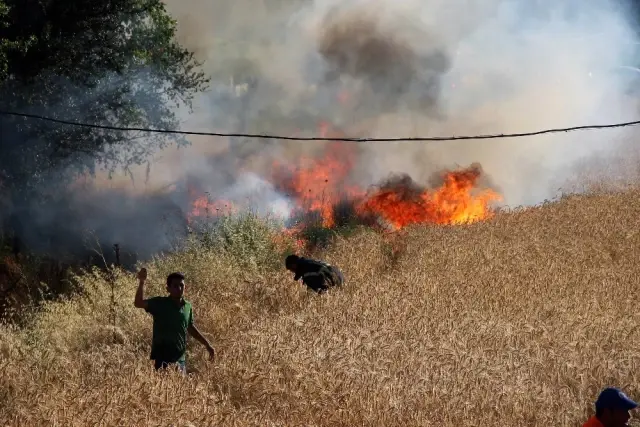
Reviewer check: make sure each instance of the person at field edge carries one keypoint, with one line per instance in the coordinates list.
(172, 320)
(316, 275)
(613, 409)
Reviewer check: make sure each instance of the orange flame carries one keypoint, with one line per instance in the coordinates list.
(203, 206)
(401, 203)
(319, 184)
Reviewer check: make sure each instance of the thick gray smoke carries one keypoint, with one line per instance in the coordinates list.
(402, 68)
(414, 68)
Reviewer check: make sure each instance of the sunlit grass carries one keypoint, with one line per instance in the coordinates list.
(518, 321)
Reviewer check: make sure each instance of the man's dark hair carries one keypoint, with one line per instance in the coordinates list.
(172, 276)
(291, 259)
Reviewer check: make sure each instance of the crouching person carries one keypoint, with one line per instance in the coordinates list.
(316, 275)
(172, 320)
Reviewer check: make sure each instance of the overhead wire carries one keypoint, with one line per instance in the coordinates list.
(317, 138)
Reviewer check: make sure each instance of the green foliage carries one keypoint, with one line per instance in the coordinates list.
(4, 44)
(319, 237)
(252, 242)
(113, 63)
(7, 45)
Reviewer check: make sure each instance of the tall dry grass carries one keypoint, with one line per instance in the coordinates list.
(518, 321)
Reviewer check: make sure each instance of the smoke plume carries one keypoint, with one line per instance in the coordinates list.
(397, 68)
(414, 68)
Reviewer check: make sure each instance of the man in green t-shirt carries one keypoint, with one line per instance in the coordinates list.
(172, 319)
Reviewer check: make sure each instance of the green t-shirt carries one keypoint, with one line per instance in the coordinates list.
(170, 323)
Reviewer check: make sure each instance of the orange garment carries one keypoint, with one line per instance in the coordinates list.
(593, 422)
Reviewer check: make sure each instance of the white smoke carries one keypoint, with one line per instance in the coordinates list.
(412, 68)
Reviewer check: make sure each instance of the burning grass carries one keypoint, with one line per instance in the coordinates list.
(323, 194)
(518, 320)
(324, 200)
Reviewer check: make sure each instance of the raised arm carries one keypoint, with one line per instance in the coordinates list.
(139, 299)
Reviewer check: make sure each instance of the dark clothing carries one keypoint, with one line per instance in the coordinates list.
(318, 275)
(171, 320)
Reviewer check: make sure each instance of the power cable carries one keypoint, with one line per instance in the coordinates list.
(301, 138)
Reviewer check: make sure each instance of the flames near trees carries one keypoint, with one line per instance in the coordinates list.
(398, 347)
(45, 66)
(72, 60)
(400, 201)
(321, 193)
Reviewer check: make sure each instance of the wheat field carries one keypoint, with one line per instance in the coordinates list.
(516, 321)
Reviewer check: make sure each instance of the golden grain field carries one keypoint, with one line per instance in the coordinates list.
(518, 321)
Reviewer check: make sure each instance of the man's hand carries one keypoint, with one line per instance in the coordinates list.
(202, 340)
(142, 274)
(139, 299)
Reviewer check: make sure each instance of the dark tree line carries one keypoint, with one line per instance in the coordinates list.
(108, 62)
(113, 62)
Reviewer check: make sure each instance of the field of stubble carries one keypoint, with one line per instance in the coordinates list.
(518, 321)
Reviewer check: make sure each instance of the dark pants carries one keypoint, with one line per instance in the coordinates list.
(162, 365)
(320, 283)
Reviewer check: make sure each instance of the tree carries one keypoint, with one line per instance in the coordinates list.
(7, 45)
(4, 44)
(112, 62)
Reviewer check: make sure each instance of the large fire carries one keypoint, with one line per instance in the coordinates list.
(400, 202)
(318, 185)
